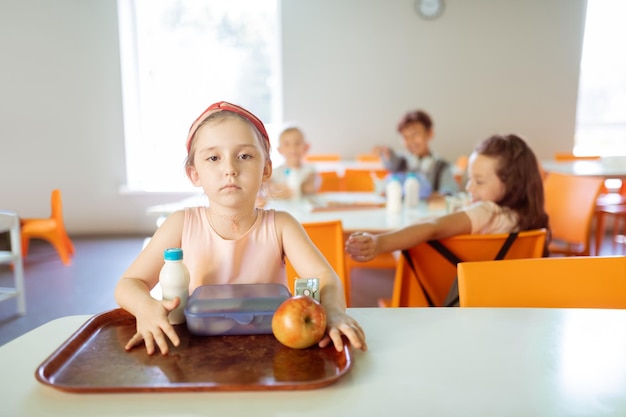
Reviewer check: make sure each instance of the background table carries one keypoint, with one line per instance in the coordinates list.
(606, 167)
(431, 362)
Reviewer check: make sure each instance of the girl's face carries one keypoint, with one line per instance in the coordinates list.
(483, 183)
(229, 162)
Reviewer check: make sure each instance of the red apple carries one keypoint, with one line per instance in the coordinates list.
(299, 322)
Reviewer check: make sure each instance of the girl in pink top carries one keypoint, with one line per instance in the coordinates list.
(506, 188)
(231, 241)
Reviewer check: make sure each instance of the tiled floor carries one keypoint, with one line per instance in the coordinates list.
(54, 290)
(86, 287)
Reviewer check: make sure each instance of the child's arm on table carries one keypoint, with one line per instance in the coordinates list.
(382, 151)
(279, 190)
(363, 247)
(308, 261)
(132, 292)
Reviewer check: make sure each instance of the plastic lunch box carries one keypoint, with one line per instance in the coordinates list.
(230, 309)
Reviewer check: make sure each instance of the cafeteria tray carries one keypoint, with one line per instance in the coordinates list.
(93, 360)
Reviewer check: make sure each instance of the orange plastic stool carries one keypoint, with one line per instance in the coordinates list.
(51, 229)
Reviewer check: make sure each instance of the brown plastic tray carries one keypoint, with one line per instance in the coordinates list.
(93, 360)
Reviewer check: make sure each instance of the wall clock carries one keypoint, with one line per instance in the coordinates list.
(429, 9)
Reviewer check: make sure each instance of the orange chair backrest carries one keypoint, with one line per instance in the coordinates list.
(569, 156)
(56, 206)
(322, 157)
(361, 179)
(460, 170)
(461, 162)
(328, 237)
(567, 282)
(436, 273)
(570, 203)
(329, 181)
(368, 157)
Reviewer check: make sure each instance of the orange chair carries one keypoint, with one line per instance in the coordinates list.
(570, 202)
(328, 237)
(569, 156)
(322, 157)
(330, 181)
(574, 282)
(610, 204)
(460, 167)
(618, 214)
(368, 157)
(620, 221)
(361, 179)
(51, 229)
(435, 274)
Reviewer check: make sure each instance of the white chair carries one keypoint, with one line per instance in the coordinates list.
(10, 222)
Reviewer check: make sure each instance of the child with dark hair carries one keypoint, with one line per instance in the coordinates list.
(416, 128)
(506, 188)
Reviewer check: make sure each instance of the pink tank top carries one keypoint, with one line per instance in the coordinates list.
(488, 217)
(257, 257)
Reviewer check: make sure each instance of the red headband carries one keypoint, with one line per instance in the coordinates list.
(225, 106)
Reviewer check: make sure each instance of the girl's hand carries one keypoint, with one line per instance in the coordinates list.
(280, 191)
(260, 201)
(382, 151)
(361, 246)
(339, 323)
(153, 325)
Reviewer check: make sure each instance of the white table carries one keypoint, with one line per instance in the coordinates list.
(606, 167)
(429, 362)
(363, 219)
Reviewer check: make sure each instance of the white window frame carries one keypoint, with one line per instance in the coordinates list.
(602, 130)
(143, 162)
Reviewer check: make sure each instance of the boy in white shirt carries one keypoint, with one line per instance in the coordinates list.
(294, 178)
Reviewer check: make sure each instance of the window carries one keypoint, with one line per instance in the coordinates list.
(178, 57)
(601, 118)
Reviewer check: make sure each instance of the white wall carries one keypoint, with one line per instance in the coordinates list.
(351, 69)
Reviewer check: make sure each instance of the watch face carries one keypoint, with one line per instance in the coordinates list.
(429, 9)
